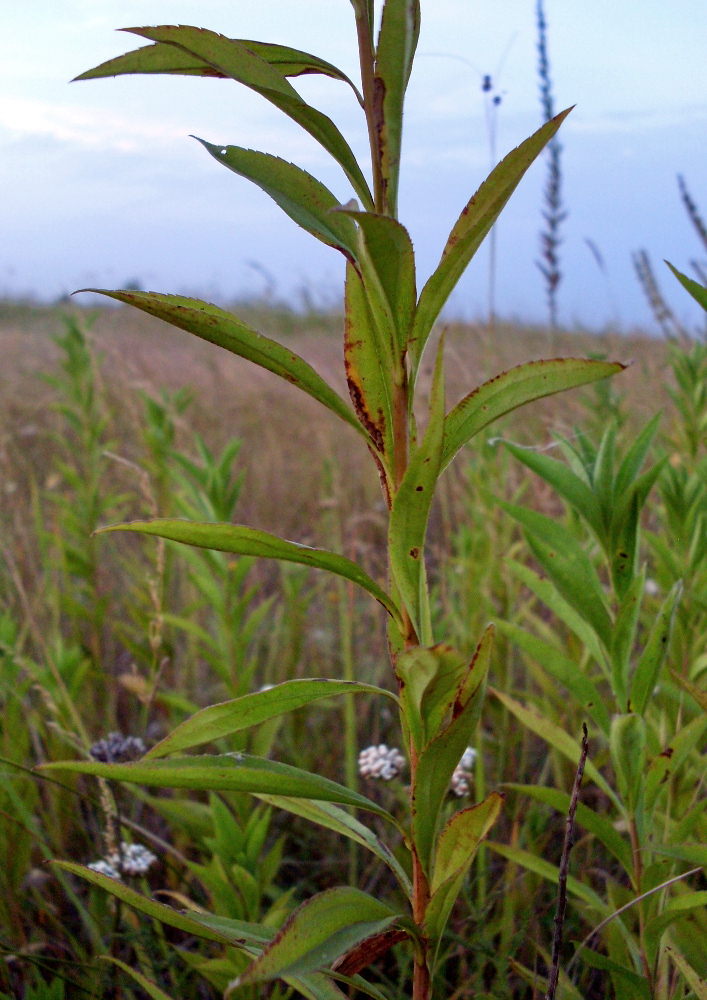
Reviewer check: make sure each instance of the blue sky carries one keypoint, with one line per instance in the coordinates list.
(102, 184)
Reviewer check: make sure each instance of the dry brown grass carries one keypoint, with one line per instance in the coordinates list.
(285, 434)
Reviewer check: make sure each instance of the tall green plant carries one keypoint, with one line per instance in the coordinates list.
(339, 932)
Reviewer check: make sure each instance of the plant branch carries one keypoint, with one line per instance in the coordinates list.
(564, 867)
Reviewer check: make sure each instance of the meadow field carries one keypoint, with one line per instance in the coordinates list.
(109, 415)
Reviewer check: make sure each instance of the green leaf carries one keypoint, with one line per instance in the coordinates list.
(342, 822)
(672, 911)
(557, 738)
(566, 990)
(234, 60)
(693, 690)
(547, 593)
(600, 827)
(697, 291)
(569, 486)
(397, 41)
(438, 760)
(514, 388)
(369, 376)
(552, 873)
(628, 754)
(229, 717)
(473, 224)
(235, 933)
(411, 509)
(163, 57)
(624, 636)
(416, 669)
(645, 676)
(636, 456)
(225, 330)
(692, 978)
(318, 932)
(567, 565)
(456, 847)
(251, 542)
(305, 199)
(237, 772)
(149, 987)
(559, 666)
(387, 264)
(629, 985)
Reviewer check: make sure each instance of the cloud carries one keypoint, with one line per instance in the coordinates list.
(90, 128)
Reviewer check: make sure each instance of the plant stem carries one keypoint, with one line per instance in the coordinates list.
(422, 984)
(564, 867)
(367, 62)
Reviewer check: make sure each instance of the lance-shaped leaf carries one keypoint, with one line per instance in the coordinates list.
(438, 760)
(152, 989)
(342, 822)
(237, 772)
(552, 873)
(567, 565)
(473, 224)
(411, 509)
(225, 330)
(514, 388)
(369, 376)
(693, 690)
(236, 933)
(305, 199)
(563, 480)
(455, 851)
(557, 738)
(693, 979)
(231, 58)
(645, 676)
(397, 41)
(559, 666)
(244, 541)
(697, 291)
(319, 932)
(429, 682)
(599, 826)
(546, 591)
(229, 717)
(387, 265)
(168, 59)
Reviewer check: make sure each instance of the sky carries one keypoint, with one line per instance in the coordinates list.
(102, 185)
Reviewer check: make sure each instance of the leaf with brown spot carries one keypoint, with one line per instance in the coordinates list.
(470, 230)
(369, 379)
(411, 511)
(514, 388)
(225, 330)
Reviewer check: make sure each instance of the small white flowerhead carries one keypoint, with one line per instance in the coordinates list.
(104, 867)
(459, 784)
(133, 859)
(380, 762)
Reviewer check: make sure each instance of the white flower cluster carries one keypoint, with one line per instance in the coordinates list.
(462, 773)
(380, 762)
(132, 859)
(103, 867)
